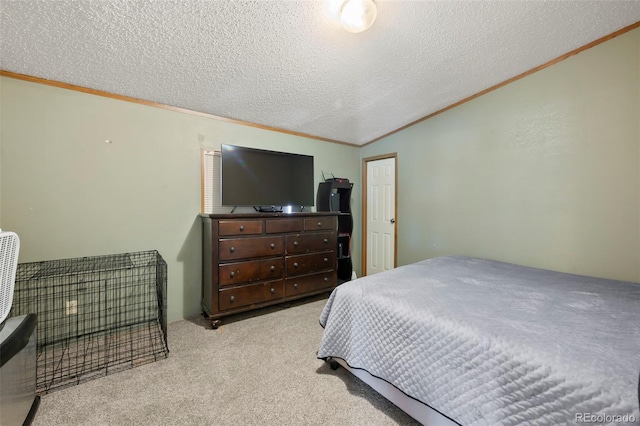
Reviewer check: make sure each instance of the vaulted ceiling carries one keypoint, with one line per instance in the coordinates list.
(290, 65)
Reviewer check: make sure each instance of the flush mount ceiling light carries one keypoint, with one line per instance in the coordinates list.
(358, 15)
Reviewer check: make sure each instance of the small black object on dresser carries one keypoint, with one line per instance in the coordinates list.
(334, 195)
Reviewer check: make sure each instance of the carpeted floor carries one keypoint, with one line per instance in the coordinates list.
(256, 369)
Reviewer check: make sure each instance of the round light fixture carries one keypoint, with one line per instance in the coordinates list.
(358, 15)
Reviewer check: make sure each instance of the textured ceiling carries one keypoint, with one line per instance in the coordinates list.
(289, 64)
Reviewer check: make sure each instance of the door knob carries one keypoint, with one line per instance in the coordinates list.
(393, 220)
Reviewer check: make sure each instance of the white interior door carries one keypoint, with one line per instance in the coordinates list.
(381, 208)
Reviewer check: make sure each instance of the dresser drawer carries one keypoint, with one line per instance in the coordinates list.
(329, 223)
(237, 297)
(308, 263)
(306, 284)
(240, 227)
(252, 270)
(243, 248)
(311, 241)
(276, 226)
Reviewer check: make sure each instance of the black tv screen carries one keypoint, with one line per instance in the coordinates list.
(256, 177)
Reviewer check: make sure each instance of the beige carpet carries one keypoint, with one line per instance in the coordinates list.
(257, 369)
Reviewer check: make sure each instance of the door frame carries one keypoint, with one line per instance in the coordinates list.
(366, 160)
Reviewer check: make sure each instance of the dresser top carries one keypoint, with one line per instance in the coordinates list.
(258, 215)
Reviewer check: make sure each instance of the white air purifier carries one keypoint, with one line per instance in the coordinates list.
(18, 400)
(9, 249)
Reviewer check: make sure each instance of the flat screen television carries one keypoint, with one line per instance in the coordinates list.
(258, 178)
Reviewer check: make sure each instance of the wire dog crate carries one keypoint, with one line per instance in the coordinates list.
(96, 315)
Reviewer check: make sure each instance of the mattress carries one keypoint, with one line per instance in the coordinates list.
(492, 343)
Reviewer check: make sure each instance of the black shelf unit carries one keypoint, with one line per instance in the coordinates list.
(335, 196)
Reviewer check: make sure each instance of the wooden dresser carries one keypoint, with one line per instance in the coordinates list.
(254, 260)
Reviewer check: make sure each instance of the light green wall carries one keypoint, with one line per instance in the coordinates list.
(543, 172)
(68, 193)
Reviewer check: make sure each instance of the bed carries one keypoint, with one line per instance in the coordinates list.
(461, 340)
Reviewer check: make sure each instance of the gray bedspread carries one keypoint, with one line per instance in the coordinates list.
(492, 343)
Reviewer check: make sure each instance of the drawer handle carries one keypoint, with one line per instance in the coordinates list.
(272, 290)
(232, 298)
(241, 228)
(295, 244)
(273, 268)
(272, 245)
(320, 224)
(295, 264)
(325, 259)
(232, 249)
(326, 241)
(326, 279)
(295, 285)
(233, 274)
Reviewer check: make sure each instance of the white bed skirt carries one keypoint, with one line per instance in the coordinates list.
(419, 411)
